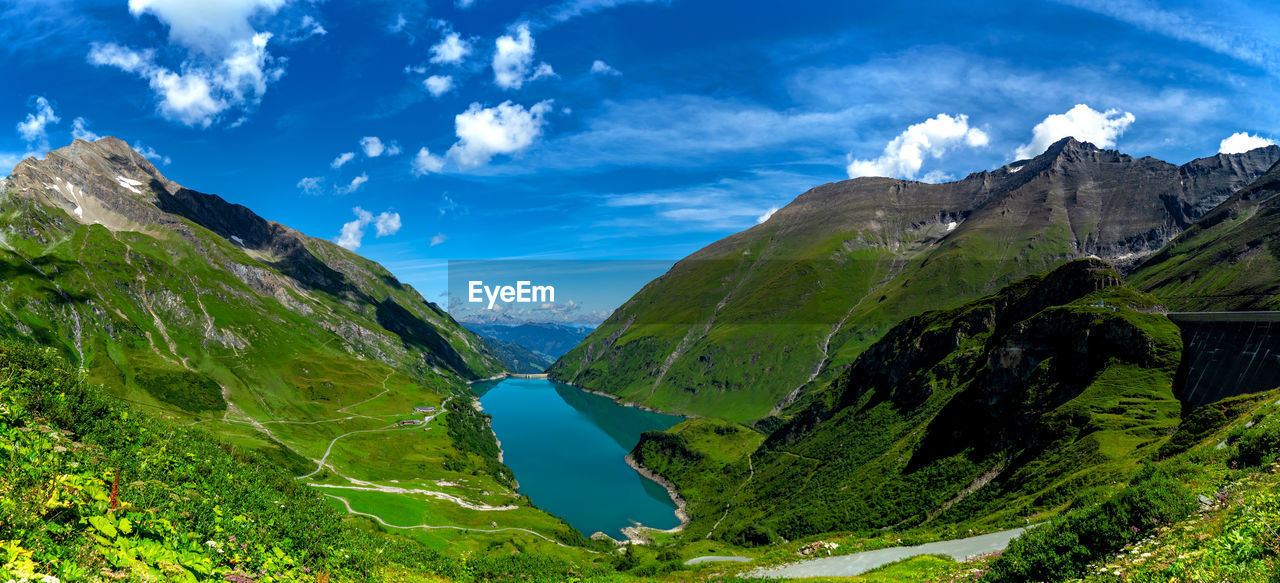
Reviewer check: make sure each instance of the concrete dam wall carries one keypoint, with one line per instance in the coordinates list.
(1227, 354)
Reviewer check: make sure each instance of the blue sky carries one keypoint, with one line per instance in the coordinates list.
(612, 129)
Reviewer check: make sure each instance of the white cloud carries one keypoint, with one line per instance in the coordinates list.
(342, 158)
(904, 155)
(451, 50)
(438, 85)
(769, 213)
(353, 231)
(208, 27)
(80, 130)
(355, 184)
(387, 223)
(543, 71)
(151, 154)
(373, 147)
(308, 28)
(464, 4)
(226, 64)
(506, 129)
(311, 185)
(438, 239)
(427, 163)
(352, 234)
(602, 68)
(1100, 128)
(34, 128)
(513, 59)
(1241, 142)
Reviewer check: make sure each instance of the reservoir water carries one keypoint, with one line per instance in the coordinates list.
(567, 449)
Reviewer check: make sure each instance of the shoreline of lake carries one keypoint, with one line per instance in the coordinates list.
(682, 507)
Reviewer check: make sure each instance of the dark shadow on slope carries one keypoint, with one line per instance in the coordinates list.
(416, 334)
(229, 220)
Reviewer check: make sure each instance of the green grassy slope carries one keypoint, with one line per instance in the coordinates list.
(1229, 260)
(202, 313)
(742, 328)
(94, 489)
(1013, 406)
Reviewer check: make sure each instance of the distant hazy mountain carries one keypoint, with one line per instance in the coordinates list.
(547, 340)
(742, 328)
(516, 358)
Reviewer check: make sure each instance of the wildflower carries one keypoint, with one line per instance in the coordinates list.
(210, 544)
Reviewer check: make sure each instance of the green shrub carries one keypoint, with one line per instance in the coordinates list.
(1258, 445)
(1062, 549)
(188, 390)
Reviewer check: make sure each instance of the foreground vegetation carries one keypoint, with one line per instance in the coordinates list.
(94, 490)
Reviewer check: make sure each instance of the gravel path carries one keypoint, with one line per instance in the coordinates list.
(858, 563)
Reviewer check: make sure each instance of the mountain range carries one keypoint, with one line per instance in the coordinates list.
(744, 327)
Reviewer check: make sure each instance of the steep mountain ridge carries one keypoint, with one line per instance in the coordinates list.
(745, 326)
(107, 183)
(1228, 260)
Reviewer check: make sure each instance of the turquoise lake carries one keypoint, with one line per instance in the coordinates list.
(566, 447)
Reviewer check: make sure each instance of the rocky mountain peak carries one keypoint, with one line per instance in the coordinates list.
(104, 182)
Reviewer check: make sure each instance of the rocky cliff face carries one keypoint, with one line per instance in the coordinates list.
(1228, 260)
(131, 272)
(743, 327)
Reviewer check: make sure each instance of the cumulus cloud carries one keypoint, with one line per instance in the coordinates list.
(484, 132)
(80, 130)
(387, 223)
(373, 147)
(352, 233)
(513, 59)
(451, 50)
(464, 4)
(438, 85)
(34, 129)
(226, 65)
(769, 213)
(427, 163)
(1100, 128)
(602, 68)
(342, 158)
(904, 155)
(1241, 142)
(438, 239)
(311, 185)
(354, 185)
